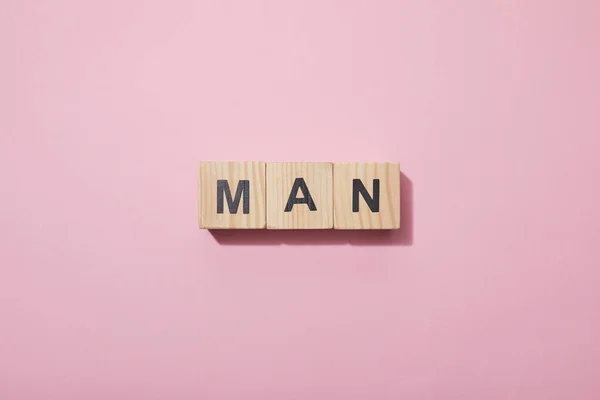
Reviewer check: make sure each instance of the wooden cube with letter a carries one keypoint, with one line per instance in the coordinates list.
(300, 195)
(232, 195)
(367, 195)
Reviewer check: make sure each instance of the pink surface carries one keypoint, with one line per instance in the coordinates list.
(108, 290)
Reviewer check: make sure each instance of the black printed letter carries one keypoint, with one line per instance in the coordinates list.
(307, 199)
(243, 189)
(372, 202)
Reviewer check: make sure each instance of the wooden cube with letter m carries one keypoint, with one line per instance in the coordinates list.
(232, 195)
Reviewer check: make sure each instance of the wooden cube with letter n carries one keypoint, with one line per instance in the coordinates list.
(367, 195)
(300, 195)
(232, 195)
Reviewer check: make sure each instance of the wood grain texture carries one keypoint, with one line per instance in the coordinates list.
(280, 181)
(388, 215)
(233, 172)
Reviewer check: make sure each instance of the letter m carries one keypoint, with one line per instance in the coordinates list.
(224, 192)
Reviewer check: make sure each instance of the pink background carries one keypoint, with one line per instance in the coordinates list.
(108, 290)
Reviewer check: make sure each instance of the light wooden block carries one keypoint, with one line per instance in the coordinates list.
(358, 204)
(232, 195)
(291, 186)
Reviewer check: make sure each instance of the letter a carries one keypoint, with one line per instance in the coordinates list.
(307, 199)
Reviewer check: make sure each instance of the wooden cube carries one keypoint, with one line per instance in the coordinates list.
(367, 195)
(300, 195)
(232, 195)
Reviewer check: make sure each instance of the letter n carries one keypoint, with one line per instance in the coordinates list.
(359, 188)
